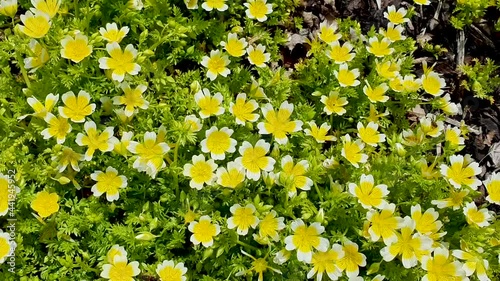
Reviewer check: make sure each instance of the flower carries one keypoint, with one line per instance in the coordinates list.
(492, 185)
(326, 262)
(407, 244)
(278, 123)
(379, 48)
(422, 2)
(292, 175)
(169, 271)
(369, 195)
(254, 159)
(132, 98)
(50, 7)
(104, 141)
(116, 250)
(440, 266)
(387, 69)
(39, 58)
(68, 157)
(41, 110)
(75, 48)
(270, 225)
(112, 34)
(234, 46)
(219, 5)
(209, 105)
(477, 217)
(393, 32)
(76, 108)
(121, 146)
(305, 238)
(352, 259)
(446, 106)
(58, 128)
(432, 83)
(426, 223)
(327, 32)
(231, 177)
(259, 266)
(319, 133)
(347, 77)
(369, 134)
(218, 142)
(120, 62)
(4, 195)
(8, 8)
(428, 171)
(203, 231)
(282, 256)
(256, 90)
(135, 4)
(217, 64)
(191, 4)
(201, 172)
(396, 17)
(452, 136)
(352, 151)
(340, 54)
(374, 116)
(473, 263)
(243, 218)
(243, 110)
(120, 269)
(36, 24)
(45, 203)
(109, 182)
(150, 153)
(410, 84)
(430, 126)
(334, 104)
(258, 56)
(462, 171)
(384, 224)
(193, 123)
(376, 94)
(258, 9)
(7, 246)
(455, 200)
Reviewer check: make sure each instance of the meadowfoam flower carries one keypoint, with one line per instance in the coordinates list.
(369, 134)
(388, 69)
(7, 246)
(452, 135)
(376, 94)
(352, 259)
(492, 185)
(76, 108)
(396, 17)
(120, 269)
(108, 182)
(50, 7)
(426, 223)
(327, 32)
(116, 250)
(256, 90)
(440, 266)
(320, 134)
(393, 32)
(410, 84)
(446, 106)
(473, 263)
(94, 140)
(201, 171)
(293, 176)
(258, 56)
(254, 159)
(379, 48)
(243, 218)
(422, 2)
(326, 262)
(121, 146)
(135, 4)
(75, 48)
(150, 153)
(120, 62)
(39, 58)
(374, 116)
(169, 271)
(369, 195)
(58, 128)
(216, 64)
(407, 244)
(209, 105)
(428, 171)
(270, 225)
(36, 24)
(40, 109)
(259, 265)
(132, 98)
(278, 123)
(4, 194)
(68, 157)
(477, 217)
(351, 151)
(430, 126)
(258, 9)
(191, 4)
(242, 110)
(218, 142)
(8, 8)
(193, 123)
(305, 238)
(282, 256)
(455, 200)
(219, 5)
(334, 104)
(232, 176)
(234, 46)
(384, 224)
(45, 203)
(462, 171)
(340, 54)
(432, 83)
(346, 77)
(112, 34)
(203, 231)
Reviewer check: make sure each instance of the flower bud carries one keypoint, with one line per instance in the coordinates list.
(145, 236)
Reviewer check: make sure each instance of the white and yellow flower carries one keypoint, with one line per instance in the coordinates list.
(254, 159)
(216, 64)
(243, 218)
(68, 157)
(50, 7)
(209, 105)
(393, 32)
(346, 77)
(396, 17)
(258, 56)
(305, 238)
(334, 104)
(492, 185)
(201, 171)
(243, 110)
(218, 142)
(433, 83)
(40, 109)
(75, 48)
(116, 250)
(150, 153)
(388, 69)
(430, 126)
(4, 194)
(440, 266)
(340, 54)
(327, 32)
(232, 176)
(258, 9)
(455, 200)
(351, 151)
(168, 270)
(203, 231)
(120, 269)
(477, 217)
(369, 195)
(193, 123)
(462, 171)
(59, 128)
(121, 146)
(446, 106)
(376, 94)
(369, 134)
(473, 262)
(104, 141)
(410, 84)
(426, 223)
(320, 134)
(379, 48)
(112, 34)
(7, 246)
(133, 98)
(108, 182)
(352, 259)
(270, 225)
(210, 5)
(234, 46)
(36, 24)
(293, 176)
(76, 108)
(39, 58)
(8, 8)
(384, 224)
(278, 123)
(326, 262)
(453, 137)
(423, 2)
(191, 4)
(120, 62)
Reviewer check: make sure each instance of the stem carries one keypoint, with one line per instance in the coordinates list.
(246, 245)
(23, 70)
(176, 176)
(76, 8)
(318, 191)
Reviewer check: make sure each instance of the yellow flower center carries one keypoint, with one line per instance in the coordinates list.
(254, 159)
(324, 261)
(243, 217)
(339, 54)
(121, 272)
(369, 135)
(431, 84)
(259, 265)
(36, 26)
(352, 152)
(209, 105)
(203, 231)
(170, 274)
(305, 238)
(215, 4)
(368, 194)
(232, 178)
(77, 50)
(395, 17)
(121, 62)
(258, 9)
(235, 48)
(216, 64)
(328, 35)
(268, 226)
(257, 57)
(218, 142)
(201, 172)
(109, 183)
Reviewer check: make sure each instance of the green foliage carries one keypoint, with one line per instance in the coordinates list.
(482, 79)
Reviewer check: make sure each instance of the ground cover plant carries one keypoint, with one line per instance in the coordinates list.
(169, 140)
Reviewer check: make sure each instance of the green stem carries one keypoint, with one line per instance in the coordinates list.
(318, 191)
(246, 245)
(176, 176)
(23, 70)
(76, 8)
